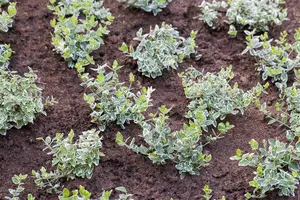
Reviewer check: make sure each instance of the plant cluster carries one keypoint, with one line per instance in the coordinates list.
(154, 6)
(15, 193)
(20, 99)
(6, 17)
(274, 61)
(5, 54)
(71, 158)
(254, 14)
(79, 28)
(162, 48)
(276, 162)
(185, 147)
(208, 193)
(83, 194)
(212, 97)
(112, 101)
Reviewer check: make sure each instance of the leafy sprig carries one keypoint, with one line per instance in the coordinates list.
(254, 14)
(5, 54)
(274, 61)
(6, 17)
(154, 6)
(83, 194)
(18, 180)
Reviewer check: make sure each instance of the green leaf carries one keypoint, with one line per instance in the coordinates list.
(254, 144)
(119, 139)
(124, 48)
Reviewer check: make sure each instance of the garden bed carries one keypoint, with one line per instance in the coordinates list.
(30, 39)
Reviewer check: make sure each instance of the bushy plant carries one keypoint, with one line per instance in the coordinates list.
(277, 162)
(276, 166)
(79, 28)
(253, 14)
(20, 99)
(83, 194)
(162, 48)
(154, 6)
(182, 147)
(208, 193)
(210, 12)
(274, 61)
(18, 180)
(71, 158)
(5, 54)
(112, 101)
(213, 98)
(6, 17)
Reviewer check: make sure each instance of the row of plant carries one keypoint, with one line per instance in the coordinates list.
(79, 28)
(20, 97)
(77, 194)
(83, 194)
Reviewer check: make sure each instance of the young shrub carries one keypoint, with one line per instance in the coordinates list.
(6, 17)
(212, 97)
(71, 158)
(112, 101)
(274, 61)
(254, 14)
(83, 194)
(15, 193)
(276, 166)
(182, 147)
(208, 193)
(5, 54)
(154, 6)
(20, 99)
(162, 48)
(210, 12)
(79, 28)
(276, 162)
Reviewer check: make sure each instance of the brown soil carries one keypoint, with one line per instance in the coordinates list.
(31, 40)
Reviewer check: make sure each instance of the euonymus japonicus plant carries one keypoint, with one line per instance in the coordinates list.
(20, 99)
(211, 100)
(276, 161)
(275, 59)
(162, 48)
(79, 28)
(111, 100)
(71, 158)
(154, 6)
(250, 14)
(213, 97)
(5, 54)
(83, 194)
(6, 17)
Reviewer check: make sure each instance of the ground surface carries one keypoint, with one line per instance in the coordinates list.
(31, 40)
